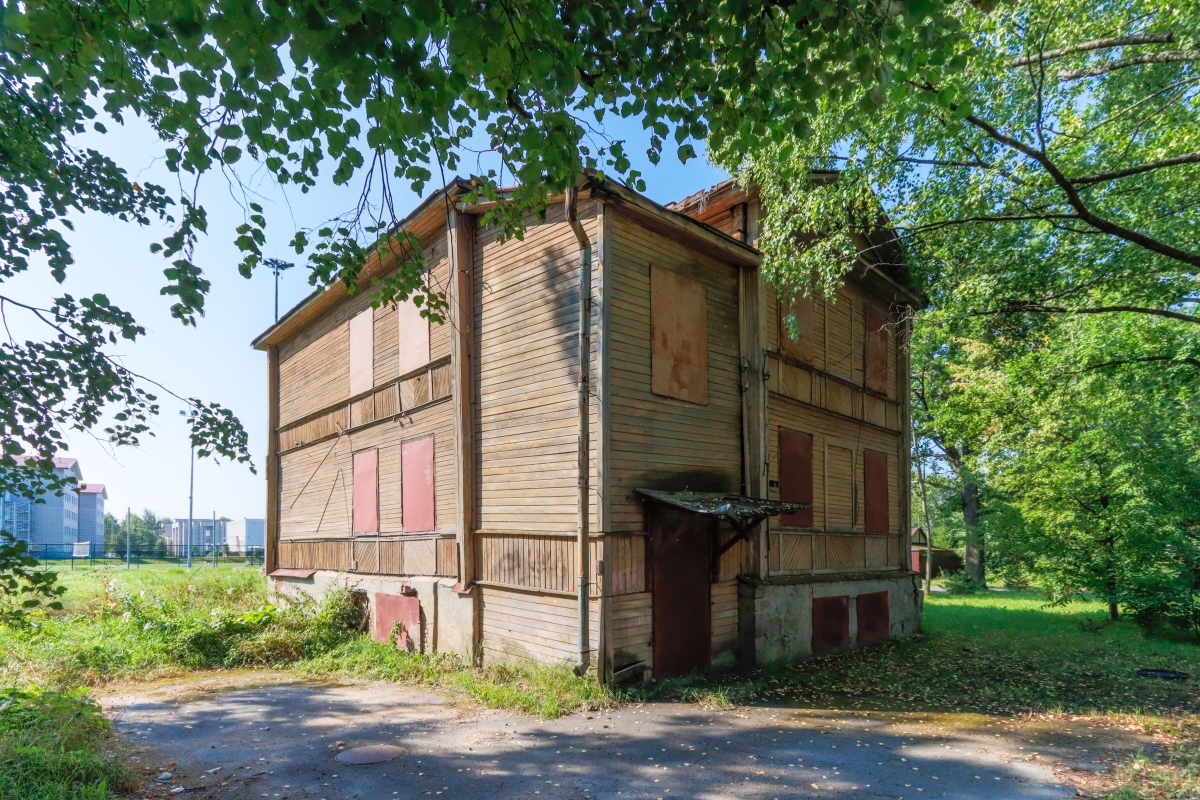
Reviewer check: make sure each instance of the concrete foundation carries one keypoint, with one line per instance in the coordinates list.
(448, 618)
(775, 616)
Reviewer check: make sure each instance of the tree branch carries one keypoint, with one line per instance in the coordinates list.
(1096, 44)
(1166, 57)
(1103, 177)
(1037, 308)
(1076, 202)
(1195, 362)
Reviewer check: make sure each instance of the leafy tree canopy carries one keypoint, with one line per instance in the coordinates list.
(1065, 132)
(383, 91)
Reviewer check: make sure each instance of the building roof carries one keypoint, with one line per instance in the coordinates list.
(59, 463)
(94, 488)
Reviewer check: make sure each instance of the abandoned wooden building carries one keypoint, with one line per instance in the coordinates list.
(745, 490)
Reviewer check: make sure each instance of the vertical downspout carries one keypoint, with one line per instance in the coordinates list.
(585, 336)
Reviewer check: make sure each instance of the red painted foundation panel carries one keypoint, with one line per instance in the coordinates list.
(830, 623)
(874, 619)
(405, 609)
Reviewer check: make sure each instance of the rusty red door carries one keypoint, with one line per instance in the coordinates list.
(680, 574)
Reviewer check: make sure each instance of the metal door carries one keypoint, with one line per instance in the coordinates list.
(680, 574)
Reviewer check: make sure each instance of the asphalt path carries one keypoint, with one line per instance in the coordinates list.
(280, 741)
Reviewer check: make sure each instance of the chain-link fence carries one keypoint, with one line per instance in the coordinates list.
(176, 555)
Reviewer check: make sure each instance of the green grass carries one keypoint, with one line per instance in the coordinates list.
(153, 623)
(993, 652)
(55, 746)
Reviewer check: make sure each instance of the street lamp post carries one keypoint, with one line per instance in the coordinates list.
(191, 483)
(277, 266)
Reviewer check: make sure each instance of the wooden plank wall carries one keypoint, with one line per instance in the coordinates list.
(322, 426)
(542, 561)
(655, 441)
(630, 630)
(838, 443)
(526, 328)
(527, 625)
(392, 556)
(827, 399)
(723, 597)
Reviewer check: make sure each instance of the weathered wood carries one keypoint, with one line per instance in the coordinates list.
(461, 246)
(754, 403)
(271, 542)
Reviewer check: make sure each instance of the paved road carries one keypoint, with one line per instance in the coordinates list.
(279, 742)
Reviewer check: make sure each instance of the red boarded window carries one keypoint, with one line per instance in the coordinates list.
(874, 620)
(414, 337)
(366, 492)
(875, 351)
(416, 486)
(875, 491)
(830, 623)
(796, 475)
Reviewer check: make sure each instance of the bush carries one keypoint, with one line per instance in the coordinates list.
(1165, 603)
(52, 747)
(960, 583)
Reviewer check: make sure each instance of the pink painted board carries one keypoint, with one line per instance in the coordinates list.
(362, 352)
(417, 509)
(393, 608)
(366, 492)
(414, 337)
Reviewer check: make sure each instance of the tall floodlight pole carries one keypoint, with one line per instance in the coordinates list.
(277, 266)
(127, 561)
(191, 483)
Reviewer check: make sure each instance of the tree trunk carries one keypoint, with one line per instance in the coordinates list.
(970, 500)
(1112, 612)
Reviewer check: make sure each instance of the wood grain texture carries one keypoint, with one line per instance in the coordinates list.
(660, 442)
(525, 336)
(521, 625)
(679, 336)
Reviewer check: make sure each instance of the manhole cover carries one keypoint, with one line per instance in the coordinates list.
(370, 754)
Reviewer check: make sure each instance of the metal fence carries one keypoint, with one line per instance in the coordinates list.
(202, 556)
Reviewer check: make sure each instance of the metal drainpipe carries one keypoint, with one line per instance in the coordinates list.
(585, 335)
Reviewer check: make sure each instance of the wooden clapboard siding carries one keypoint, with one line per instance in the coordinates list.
(526, 329)
(723, 597)
(838, 443)
(657, 441)
(314, 368)
(408, 556)
(547, 562)
(625, 567)
(322, 508)
(735, 561)
(531, 626)
(631, 629)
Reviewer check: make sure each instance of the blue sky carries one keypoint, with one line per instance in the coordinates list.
(213, 361)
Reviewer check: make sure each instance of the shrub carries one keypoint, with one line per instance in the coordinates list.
(960, 583)
(1165, 602)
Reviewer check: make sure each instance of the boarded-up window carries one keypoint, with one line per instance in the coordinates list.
(796, 315)
(830, 623)
(875, 351)
(414, 337)
(875, 491)
(874, 619)
(839, 487)
(679, 337)
(839, 342)
(366, 492)
(362, 352)
(796, 475)
(416, 486)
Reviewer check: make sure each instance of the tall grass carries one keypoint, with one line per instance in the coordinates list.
(151, 623)
(54, 746)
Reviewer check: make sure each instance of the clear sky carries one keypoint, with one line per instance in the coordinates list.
(213, 361)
